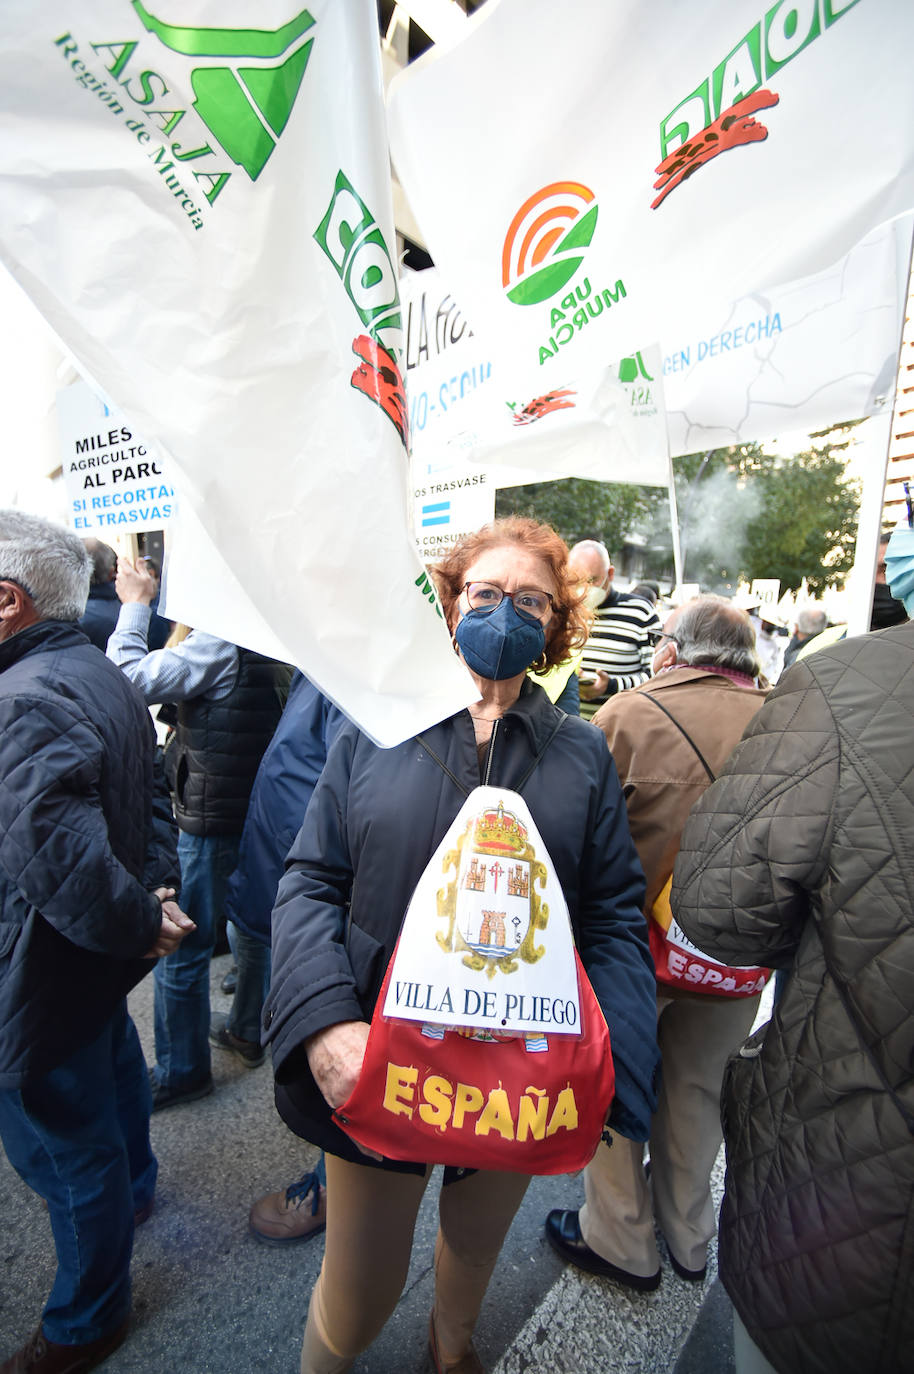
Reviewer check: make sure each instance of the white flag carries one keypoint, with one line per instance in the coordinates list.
(800, 357)
(620, 170)
(607, 424)
(197, 198)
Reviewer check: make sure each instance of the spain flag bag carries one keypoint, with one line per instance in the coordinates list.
(680, 963)
(488, 1048)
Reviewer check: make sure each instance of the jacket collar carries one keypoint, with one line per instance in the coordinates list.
(535, 712)
(684, 672)
(43, 637)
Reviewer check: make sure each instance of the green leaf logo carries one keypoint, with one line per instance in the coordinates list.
(242, 106)
(544, 243)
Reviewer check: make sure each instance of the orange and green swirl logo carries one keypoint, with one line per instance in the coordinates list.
(544, 244)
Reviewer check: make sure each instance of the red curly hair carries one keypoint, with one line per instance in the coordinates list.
(570, 619)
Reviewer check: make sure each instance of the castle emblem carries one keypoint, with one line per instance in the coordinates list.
(491, 904)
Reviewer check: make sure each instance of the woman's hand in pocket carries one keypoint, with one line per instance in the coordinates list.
(335, 1058)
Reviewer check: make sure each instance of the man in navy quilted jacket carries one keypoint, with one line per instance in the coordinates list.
(88, 874)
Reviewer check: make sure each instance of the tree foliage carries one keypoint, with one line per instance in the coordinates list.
(807, 526)
(746, 514)
(578, 508)
(743, 514)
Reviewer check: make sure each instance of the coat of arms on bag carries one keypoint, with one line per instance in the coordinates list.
(492, 907)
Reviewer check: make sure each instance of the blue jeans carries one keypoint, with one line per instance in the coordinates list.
(252, 959)
(182, 978)
(79, 1136)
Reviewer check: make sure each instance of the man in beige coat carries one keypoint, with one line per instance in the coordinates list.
(665, 736)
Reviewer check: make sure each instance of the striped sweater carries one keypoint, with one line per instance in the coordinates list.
(619, 644)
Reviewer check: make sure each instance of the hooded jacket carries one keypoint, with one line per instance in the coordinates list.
(800, 856)
(376, 818)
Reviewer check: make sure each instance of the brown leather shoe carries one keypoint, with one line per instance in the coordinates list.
(467, 1364)
(41, 1356)
(293, 1215)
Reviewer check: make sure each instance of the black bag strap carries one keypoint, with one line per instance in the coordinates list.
(648, 696)
(420, 739)
(517, 787)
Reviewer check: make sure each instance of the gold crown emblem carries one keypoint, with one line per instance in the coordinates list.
(501, 830)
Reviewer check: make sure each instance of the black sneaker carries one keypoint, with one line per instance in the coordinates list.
(250, 1052)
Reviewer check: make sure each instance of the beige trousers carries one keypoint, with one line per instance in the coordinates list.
(371, 1217)
(696, 1037)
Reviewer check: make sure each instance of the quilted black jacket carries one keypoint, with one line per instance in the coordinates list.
(85, 835)
(801, 855)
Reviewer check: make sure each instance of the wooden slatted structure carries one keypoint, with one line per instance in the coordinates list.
(901, 444)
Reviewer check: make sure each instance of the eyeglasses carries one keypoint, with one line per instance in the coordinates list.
(655, 637)
(528, 601)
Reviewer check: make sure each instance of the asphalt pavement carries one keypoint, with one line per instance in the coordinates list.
(208, 1297)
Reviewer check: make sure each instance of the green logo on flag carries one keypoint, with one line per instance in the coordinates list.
(245, 108)
(544, 244)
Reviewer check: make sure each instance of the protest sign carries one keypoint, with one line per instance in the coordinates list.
(682, 159)
(450, 504)
(202, 213)
(115, 483)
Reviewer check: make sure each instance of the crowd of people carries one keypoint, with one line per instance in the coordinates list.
(678, 801)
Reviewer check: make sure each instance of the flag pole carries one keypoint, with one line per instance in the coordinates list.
(674, 522)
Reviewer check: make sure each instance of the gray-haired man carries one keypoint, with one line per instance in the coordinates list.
(661, 736)
(88, 871)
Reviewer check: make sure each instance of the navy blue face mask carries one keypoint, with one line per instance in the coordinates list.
(499, 644)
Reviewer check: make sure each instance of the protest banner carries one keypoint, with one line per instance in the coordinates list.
(202, 213)
(115, 482)
(607, 425)
(682, 159)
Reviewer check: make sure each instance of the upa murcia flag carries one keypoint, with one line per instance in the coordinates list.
(486, 942)
(197, 198)
(799, 357)
(683, 157)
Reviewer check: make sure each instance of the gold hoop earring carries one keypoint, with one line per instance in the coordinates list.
(541, 665)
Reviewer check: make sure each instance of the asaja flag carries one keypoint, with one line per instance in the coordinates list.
(197, 198)
(613, 171)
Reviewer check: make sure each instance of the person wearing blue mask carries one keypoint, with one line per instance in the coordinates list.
(899, 561)
(375, 819)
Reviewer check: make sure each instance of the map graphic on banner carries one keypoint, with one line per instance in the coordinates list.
(203, 215)
(799, 357)
(115, 484)
(687, 161)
